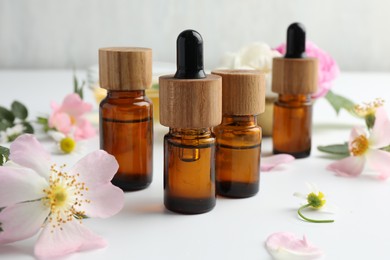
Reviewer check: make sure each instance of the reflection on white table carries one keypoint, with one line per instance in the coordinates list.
(236, 228)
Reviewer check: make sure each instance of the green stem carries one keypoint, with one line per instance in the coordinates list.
(312, 220)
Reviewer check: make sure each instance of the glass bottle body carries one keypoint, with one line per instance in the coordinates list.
(292, 125)
(189, 170)
(126, 132)
(238, 148)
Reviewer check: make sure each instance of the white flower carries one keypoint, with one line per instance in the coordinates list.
(257, 55)
(11, 133)
(64, 144)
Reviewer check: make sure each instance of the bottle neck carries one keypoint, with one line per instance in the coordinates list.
(239, 120)
(190, 133)
(289, 98)
(125, 93)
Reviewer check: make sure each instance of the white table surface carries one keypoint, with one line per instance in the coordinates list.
(236, 228)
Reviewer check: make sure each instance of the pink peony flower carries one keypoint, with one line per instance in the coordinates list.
(36, 194)
(286, 246)
(69, 117)
(364, 148)
(270, 162)
(328, 69)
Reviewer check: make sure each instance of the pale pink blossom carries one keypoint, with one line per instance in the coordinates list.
(36, 194)
(328, 69)
(270, 162)
(365, 148)
(286, 246)
(69, 117)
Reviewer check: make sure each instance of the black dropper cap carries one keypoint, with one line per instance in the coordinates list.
(296, 41)
(189, 55)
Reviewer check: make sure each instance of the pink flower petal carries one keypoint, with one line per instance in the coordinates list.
(72, 238)
(22, 221)
(96, 168)
(61, 122)
(351, 166)
(380, 135)
(18, 184)
(28, 152)
(284, 245)
(379, 160)
(106, 201)
(84, 130)
(74, 105)
(270, 162)
(356, 132)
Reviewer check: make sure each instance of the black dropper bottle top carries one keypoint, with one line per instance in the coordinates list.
(189, 55)
(296, 41)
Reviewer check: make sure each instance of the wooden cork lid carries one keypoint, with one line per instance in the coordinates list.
(123, 68)
(243, 91)
(294, 76)
(190, 103)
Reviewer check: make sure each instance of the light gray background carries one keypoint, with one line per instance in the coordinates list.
(62, 34)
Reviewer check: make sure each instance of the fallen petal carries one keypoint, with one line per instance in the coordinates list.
(72, 238)
(22, 221)
(28, 152)
(351, 166)
(286, 246)
(270, 162)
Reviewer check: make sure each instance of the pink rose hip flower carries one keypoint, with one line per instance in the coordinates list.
(328, 69)
(365, 148)
(69, 117)
(37, 194)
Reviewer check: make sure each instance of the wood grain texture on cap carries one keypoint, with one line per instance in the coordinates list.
(190, 103)
(294, 76)
(243, 91)
(125, 68)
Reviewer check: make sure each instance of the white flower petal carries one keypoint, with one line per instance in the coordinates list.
(22, 221)
(96, 168)
(72, 238)
(18, 184)
(57, 136)
(106, 201)
(28, 152)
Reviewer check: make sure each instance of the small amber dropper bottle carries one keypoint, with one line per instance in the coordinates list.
(294, 77)
(190, 104)
(238, 137)
(126, 114)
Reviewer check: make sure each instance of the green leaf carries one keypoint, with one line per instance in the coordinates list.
(339, 102)
(4, 154)
(19, 110)
(6, 115)
(155, 86)
(28, 128)
(42, 120)
(4, 125)
(338, 149)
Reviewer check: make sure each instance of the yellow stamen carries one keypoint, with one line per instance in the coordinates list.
(359, 146)
(63, 196)
(72, 120)
(67, 145)
(369, 108)
(316, 201)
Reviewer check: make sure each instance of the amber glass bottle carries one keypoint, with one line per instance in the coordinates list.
(189, 172)
(294, 78)
(238, 137)
(190, 104)
(292, 125)
(126, 115)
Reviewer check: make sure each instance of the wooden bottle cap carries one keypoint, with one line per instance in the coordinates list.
(190, 103)
(243, 91)
(123, 68)
(294, 76)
